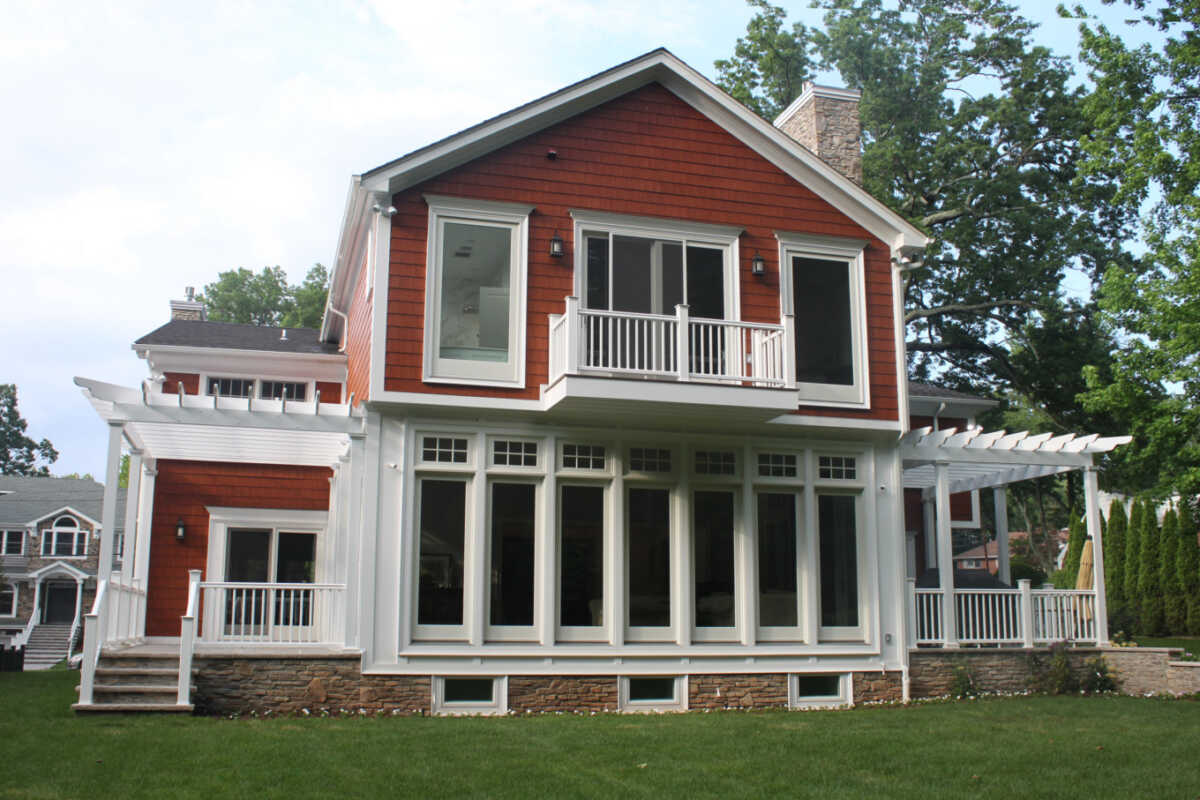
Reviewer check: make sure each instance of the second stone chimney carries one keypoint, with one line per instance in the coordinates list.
(189, 309)
(825, 120)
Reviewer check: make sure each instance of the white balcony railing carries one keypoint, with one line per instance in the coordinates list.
(624, 344)
(273, 613)
(1022, 616)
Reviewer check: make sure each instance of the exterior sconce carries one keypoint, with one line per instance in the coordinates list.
(758, 265)
(180, 530)
(556, 246)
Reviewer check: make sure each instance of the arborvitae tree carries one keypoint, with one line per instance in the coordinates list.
(1133, 560)
(1174, 607)
(1075, 542)
(1114, 561)
(1150, 594)
(1187, 562)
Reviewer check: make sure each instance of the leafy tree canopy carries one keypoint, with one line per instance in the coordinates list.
(19, 454)
(266, 298)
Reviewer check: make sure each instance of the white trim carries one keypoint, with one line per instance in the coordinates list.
(58, 567)
(844, 696)
(32, 524)
(4, 534)
(853, 253)
(679, 703)
(222, 518)
(812, 90)
(866, 615)
(52, 533)
(324, 367)
(12, 610)
(498, 705)
(511, 372)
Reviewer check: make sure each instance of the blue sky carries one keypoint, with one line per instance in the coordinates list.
(149, 146)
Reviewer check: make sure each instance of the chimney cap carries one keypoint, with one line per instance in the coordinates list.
(811, 91)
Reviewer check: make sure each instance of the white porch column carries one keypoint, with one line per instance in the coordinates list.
(1000, 498)
(1091, 492)
(145, 522)
(108, 516)
(353, 474)
(132, 499)
(927, 514)
(945, 554)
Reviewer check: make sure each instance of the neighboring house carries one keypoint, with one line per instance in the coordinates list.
(612, 414)
(49, 550)
(982, 557)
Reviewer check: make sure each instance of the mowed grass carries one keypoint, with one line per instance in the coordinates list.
(1189, 644)
(1051, 747)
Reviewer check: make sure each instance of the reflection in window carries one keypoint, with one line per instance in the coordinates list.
(512, 553)
(777, 599)
(713, 555)
(839, 560)
(824, 338)
(649, 557)
(443, 517)
(476, 270)
(582, 556)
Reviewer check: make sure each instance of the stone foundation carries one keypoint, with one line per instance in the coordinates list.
(768, 690)
(878, 687)
(538, 693)
(1183, 677)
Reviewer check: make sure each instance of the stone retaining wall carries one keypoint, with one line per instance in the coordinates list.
(1183, 677)
(878, 687)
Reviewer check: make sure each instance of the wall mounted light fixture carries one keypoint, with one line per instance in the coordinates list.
(180, 530)
(556, 245)
(758, 265)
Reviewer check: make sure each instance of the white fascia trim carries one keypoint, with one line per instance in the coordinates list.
(837, 422)
(259, 363)
(32, 524)
(59, 566)
(347, 259)
(692, 87)
(270, 517)
(657, 226)
(433, 400)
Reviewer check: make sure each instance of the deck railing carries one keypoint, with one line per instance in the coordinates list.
(585, 341)
(273, 613)
(1022, 616)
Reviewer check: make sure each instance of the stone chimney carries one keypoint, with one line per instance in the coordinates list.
(825, 120)
(188, 309)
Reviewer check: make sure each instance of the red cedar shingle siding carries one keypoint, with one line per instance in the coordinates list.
(358, 340)
(190, 381)
(330, 392)
(183, 489)
(648, 154)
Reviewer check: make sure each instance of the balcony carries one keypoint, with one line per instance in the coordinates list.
(612, 361)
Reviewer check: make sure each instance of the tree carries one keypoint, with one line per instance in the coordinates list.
(1145, 119)
(1114, 561)
(1188, 566)
(19, 454)
(1075, 540)
(1174, 604)
(1133, 561)
(973, 133)
(1150, 598)
(266, 298)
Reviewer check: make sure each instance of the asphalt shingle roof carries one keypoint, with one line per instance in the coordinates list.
(233, 336)
(930, 390)
(24, 500)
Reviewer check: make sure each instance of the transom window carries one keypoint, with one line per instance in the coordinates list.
(509, 453)
(475, 292)
(837, 467)
(231, 387)
(223, 386)
(65, 539)
(715, 462)
(777, 465)
(444, 450)
(12, 543)
(649, 459)
(277, 390)
(583, 456)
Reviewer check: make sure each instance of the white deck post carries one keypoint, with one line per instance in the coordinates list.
(789, 351)
(1091, 491)
(927, 509)
(1026, 588)
(1003, 570)
(132, 499)
(575, 338)
(945, 555)
(108, 516)
(683, 361)
(910, 604)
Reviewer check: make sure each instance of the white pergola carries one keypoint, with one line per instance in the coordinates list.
(944, 462)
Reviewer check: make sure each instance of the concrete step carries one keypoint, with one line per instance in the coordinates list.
(133, 692)
(166, 678)
(138, 662)
(110, 708)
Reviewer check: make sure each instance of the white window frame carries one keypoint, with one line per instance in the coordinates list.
(842, 633)
(256, 386)
(670, 483)
(680, 703)
(498, 706)
(20, 541)
(466, 475)
(512, 633)
(510, 373)
(844, 697)
(12, 610)
(52, 533)
(718, 237)
(277, 520)
(729, 633)
(585, 633)
(795, 488)
(852, 252)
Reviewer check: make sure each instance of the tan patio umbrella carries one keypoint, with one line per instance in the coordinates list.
(1086, 576)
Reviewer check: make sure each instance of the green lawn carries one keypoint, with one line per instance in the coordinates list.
(1050, 747)
(1189, 644)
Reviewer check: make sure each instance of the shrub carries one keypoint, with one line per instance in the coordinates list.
(964, 683)
(1052, 673)
(1096, 677)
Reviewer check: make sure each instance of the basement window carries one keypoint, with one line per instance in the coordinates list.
(818, 690)
(470, 695)
(653, 693)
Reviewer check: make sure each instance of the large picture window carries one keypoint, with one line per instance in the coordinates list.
(713, 557)
(475, 292)
(837, 520)
(581, 554)
(648, 558)
(512, 548)
(442, 544)
(778, 593)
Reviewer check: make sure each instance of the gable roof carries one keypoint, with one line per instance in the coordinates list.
(234, 336)
(26, 500)
(658, 66)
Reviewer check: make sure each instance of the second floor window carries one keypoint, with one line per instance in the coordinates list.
(12, 543)
(231, 387)
(65, 539)
(276, 390)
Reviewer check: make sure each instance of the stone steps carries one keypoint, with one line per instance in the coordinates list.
(135, 683)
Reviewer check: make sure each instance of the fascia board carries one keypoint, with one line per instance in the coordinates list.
(59, 512)
(347, 259)
(262, 363)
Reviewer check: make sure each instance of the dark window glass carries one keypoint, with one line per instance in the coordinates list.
(839, 560)
(649, 557)
(712, 553)
(597, 272)
(706, 282)
(582, 566)
(468, 690)
(647, 690)
(443, 516)
(297, 559)
(249, 557)
(512, 553)
(276, 390)
(821, 302)
(777, 599)
(818, 685)
(672, 276)
(12, 542)
(631, 272)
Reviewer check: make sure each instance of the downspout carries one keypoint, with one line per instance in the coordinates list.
(345, 327)
(938, 413)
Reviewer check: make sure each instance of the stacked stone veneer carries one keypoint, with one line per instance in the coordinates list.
(243, 684)
(827, 123)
